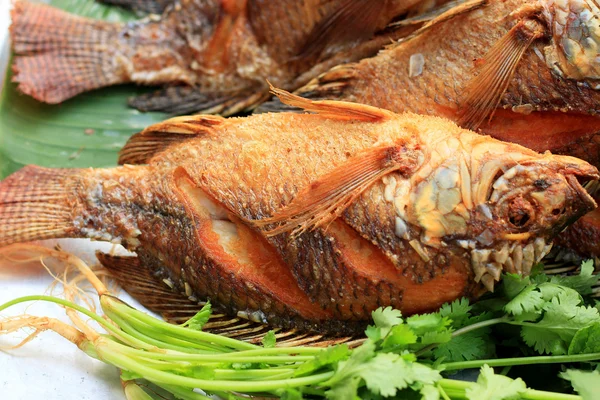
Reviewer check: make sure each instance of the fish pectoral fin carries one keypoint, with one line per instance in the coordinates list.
(352, 20)
(326, 198)
(340, 110)
(179, 100)
(142, 146)
(483, 93)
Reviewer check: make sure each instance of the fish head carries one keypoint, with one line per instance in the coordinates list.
(574, 50)
(526, 204)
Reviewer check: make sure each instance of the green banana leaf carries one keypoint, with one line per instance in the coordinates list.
(86, 131)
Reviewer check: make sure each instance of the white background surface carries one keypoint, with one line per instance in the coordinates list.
(49, 367)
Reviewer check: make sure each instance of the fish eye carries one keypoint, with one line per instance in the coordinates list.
(520, 212)
(558, 211)
(518, 218)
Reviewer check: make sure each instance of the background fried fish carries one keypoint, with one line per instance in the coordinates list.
(217, 53)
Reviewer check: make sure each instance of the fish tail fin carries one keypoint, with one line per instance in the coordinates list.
(38, 203)
(59, 55)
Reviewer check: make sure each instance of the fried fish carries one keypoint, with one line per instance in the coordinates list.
(524, 71)
(311, 221)
(213, 55)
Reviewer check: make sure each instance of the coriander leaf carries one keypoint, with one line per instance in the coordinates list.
(424, 323)
(458, 311)
(269, 340)
(586, 340)
(583, 282)
(358, 357)
(436, 337)
(387, 373)
(400, 336)
(344, 382)
(424, 375)
(528, 301)
(373, 333)
(552, 290)
(386, 318)
(495, 387)
(513, 284)
(328, 356)
(383, 373)
(344, 390)
(562, 319)
(468, 346)
(537, 274)
(201, 317)
(587, 384)
(430, 392)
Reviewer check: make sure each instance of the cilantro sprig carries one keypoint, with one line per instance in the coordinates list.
(544, 320)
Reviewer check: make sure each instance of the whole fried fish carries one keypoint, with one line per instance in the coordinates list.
(312, 221)
(218, 53)
(524, 71)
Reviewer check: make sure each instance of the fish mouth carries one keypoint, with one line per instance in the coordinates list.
(513, 257)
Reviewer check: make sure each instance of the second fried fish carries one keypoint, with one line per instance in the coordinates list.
(215, 55)
(532, 66)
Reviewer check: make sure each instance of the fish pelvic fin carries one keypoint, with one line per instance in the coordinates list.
(37, 203)
(141, 147)
(340, 110)
(326, 198)
(147, 288)
(59, 55)
(483, 93)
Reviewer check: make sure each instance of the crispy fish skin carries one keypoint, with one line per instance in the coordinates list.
(312, 221)
(535, 59)
(218, 52)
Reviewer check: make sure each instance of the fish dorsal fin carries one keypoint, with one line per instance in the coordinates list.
(340, 110)
(352, 20)
(435, 17)
(483, 93)
(326, 198)
(141, 147)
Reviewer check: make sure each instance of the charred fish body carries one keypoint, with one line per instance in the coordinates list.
(215, 54)
(312, 221)
(524, 71)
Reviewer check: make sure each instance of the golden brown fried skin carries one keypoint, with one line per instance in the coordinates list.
(312, 221)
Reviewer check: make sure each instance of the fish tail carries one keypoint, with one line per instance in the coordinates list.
(59, 55)
(38, 203)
